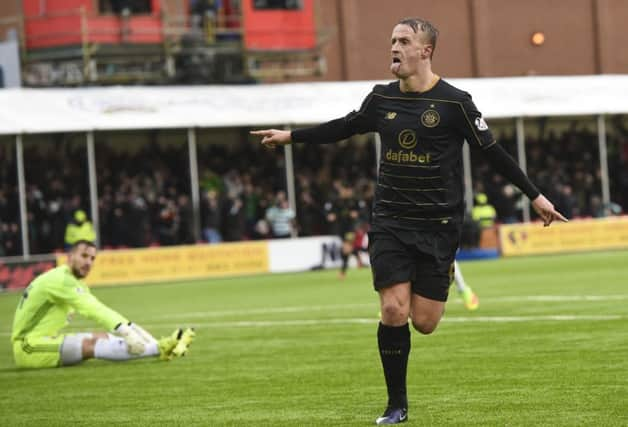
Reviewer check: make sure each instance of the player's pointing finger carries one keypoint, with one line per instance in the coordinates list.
(560, 216)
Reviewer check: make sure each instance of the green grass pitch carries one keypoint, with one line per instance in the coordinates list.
(547, 347)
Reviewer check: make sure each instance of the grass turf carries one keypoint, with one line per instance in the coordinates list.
(548, 346)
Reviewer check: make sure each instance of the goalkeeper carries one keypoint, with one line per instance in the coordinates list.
(48, 305)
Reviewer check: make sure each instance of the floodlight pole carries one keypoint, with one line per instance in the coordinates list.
(194, 186)
(521, 158)
(601, 137)
(93, 185)
(292, 199)
(21, 185)
(468, 180)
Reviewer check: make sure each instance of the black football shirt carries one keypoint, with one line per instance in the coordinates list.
(420, 182)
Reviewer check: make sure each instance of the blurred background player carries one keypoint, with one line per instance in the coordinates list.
(354, 243)
(470, 299)
(49, 303)
(347, 217)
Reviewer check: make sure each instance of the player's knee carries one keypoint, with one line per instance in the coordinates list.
(75, 347)
(89, 344)
(394, 311)
(425, 325)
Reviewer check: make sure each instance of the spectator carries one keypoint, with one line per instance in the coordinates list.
(186, 220)
(261, 230)
(281, 217)
(119, 221)
(234, 220)
(137, 217)
(211, 214)
(309, 214)
(80, 228)
(483, 213)
(167, 222)
(566, 201)
(251, 206)
(511, 197)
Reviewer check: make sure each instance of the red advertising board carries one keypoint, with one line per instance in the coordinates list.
(18, 274)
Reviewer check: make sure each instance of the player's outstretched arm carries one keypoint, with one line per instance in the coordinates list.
(505, 165)
(273, 137)
(546, 210)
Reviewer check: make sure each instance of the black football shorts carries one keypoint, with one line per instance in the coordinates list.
(423, 258)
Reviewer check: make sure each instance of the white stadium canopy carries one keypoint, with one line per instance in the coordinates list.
(135, 107)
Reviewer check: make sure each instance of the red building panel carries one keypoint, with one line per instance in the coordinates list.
(56, 23)
(104, 29)
(53, 31)
(145, 29)
(279, 29)
(51, 7)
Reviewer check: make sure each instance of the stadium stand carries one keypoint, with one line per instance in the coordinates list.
(144, 199)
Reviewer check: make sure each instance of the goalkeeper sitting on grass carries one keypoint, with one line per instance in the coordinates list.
(48, 304)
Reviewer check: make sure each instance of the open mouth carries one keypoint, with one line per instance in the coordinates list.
(395, 65)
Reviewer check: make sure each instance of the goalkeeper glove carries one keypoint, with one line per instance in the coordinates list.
(136, 338)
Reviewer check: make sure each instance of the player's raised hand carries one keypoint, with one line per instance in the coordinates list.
(273, 137)
(546, 210)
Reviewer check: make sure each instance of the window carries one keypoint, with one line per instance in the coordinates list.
(135, 7)
(278, 4)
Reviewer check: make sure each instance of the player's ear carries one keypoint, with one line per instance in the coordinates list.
(426, 51)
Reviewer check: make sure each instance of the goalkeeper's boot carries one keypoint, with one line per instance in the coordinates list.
(471, 300)
(168, 344)
(393, 416)
(184, 342)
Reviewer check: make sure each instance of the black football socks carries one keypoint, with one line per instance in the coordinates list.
(345, 262)
(394, 348)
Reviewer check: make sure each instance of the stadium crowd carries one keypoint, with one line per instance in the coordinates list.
(565, 167)
(144, 194)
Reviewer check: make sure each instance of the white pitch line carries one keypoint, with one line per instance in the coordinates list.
(267, 310)
(546, 318)
(363, 321)
(558, 298)
(374, 305)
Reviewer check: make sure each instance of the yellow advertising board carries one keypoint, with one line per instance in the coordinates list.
(114, 267)
(574, 236)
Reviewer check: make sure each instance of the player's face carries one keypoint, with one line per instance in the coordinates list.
(81, 260)
(407, 51)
